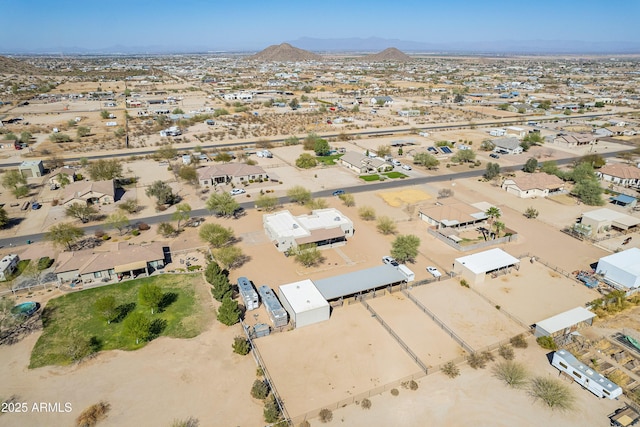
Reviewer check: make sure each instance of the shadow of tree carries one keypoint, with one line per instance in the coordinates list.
(123, 311)
(168, 298)
(156, 328)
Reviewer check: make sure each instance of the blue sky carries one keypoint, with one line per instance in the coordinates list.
(253, 25)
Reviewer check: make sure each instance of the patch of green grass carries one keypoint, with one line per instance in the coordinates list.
(370, 178)
(394, 175)
(329, 160)
(74, 315)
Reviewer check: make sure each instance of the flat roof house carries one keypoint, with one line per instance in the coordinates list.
(323, 227)
(533, 185)
(227, 173)
(31, 168)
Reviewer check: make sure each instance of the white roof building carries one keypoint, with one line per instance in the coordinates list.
(304, 303)
(622, 269)
(323, 227)
(474, 267)
(565, 322)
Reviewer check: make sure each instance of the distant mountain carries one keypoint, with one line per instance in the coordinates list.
(390, 54)
(285, 53)
(15, 66)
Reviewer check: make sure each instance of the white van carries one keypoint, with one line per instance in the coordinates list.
(395, 162)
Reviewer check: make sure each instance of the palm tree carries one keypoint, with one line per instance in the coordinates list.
(499, 226)
(493, 213)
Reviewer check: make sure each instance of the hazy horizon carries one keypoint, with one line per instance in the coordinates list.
(40, 26)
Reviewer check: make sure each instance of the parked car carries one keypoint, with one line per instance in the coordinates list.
(494, 155)
(434, 271)
(338, 192)
(406, 167)
(390, 260)
(237, 191)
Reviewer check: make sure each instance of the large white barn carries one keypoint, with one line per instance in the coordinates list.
(622, 269)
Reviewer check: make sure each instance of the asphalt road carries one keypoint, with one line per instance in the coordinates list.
(374, 186)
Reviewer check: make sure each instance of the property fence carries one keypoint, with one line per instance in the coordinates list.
(466, 248)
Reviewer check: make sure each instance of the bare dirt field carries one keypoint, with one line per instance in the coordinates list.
(535, 292)
(425, 338)
(470, 316)
(477, 398)
(333, 360)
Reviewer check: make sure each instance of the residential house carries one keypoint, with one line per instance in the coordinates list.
(111, 263)
(90, 192)
(8, 265)
(533, 185)
(32, 168)
(509, 145)
(70, 172)
(452, 213)
(620, 174)
(575, 139)
(381, 100)
(234, 173)
(363, 164)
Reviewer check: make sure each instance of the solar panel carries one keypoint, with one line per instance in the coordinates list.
(446, 150)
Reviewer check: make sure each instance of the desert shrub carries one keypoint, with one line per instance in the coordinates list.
(99, 234)
(450, 369)
(444, 193)
(552, 392)
(547, 343)
(305, 423)
(464, 283)
(135, 232)
(365, 404)
(259, 372)
(142, 226)
(619, 378)
(325, 415)
(394, 392)
(519, 341)
(189, 422)
(506, 352)
(367, 213)
(512, 373)
(476, 360)
(241, 345)
(260, 390)
(411, 385)
(488, 356)
(94, 413)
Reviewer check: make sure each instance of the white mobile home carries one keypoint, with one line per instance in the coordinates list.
(248, 294)
(585, 376)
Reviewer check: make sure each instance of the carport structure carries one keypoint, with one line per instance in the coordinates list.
(359, 282)
(474, 268)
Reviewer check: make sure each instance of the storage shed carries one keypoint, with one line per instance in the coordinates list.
(622, 269)
(564, 323)
(473, 268)
(31, 168)
(277, 314)
(304, 303)
(248, 294)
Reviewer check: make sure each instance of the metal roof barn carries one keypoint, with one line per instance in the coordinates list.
(357, 282)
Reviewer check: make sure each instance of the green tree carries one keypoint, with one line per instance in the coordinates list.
(177, 111)
(104, 170)
(589, 192)
(552, 392)
(222, 204)
(137, 325)
(25, 137)
(4, 218)
(229, 313)
(492, 170)
(129, 206)
(294, 104)
(321, 147)
(487, 145)
(211, 271)
(13, 179)
(64, 234)
(458, 98)
(81, 211)
(241, 346)
(499, 226)
(182, 213)
(189, 174)
(531, 165)
(260, 389)
(107, 308)
(583, 172)
(83, 131)
(166, 229)
(383, 150)
(306, 161)
(60, 137)
(167, 152)
(493, 213)
(308, 255)
(299, 194)
(550, 167)
(64, 180)
(118, 220)
(386, 225)
(595, 160)
(150, 296)
(161, 191)
(216, 235)
(229, 256)
(271, 411)
(425, 159)
(220, 287)
(292, 140)
(309, 142)
(405, 248)
(104, 114)
(464, 156)
(21, 191)
(267, 203)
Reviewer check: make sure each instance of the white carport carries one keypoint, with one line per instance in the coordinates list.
(564, 323)
(473, 268)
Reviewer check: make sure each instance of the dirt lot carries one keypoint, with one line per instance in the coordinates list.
(535, 292)
(471, 317)
(322, 363)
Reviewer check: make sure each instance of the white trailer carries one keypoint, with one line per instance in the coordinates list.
(585, 376)
(248, 294)
(410, 275)
(275, 310)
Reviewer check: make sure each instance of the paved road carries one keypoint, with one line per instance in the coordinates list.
(375, 186)
(391, 131)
